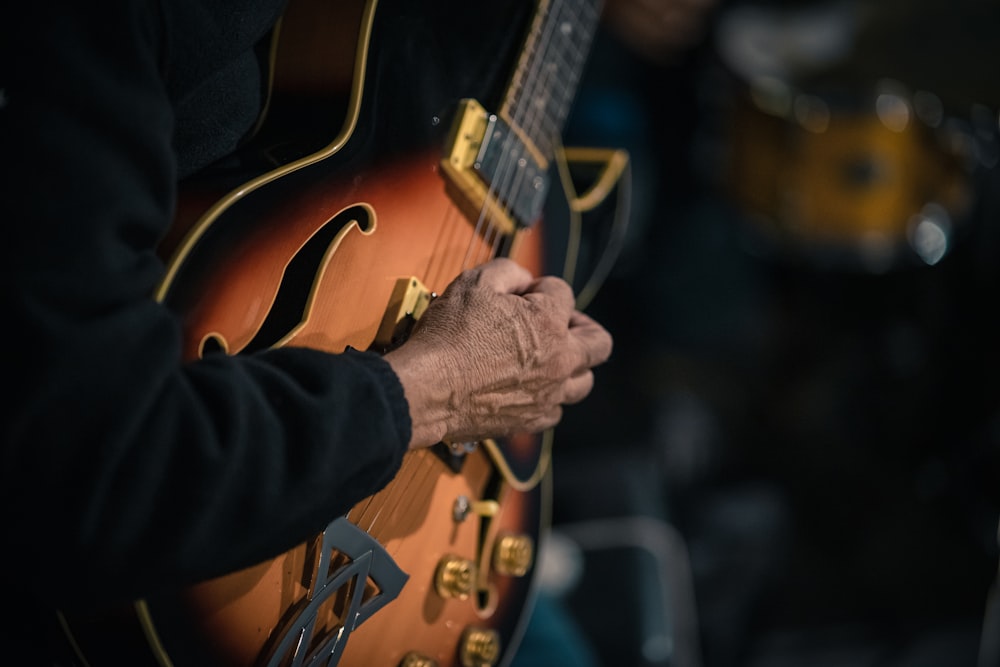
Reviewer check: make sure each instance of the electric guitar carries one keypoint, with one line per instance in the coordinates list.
(451, 119)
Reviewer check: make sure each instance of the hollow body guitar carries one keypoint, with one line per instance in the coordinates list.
(453, 115)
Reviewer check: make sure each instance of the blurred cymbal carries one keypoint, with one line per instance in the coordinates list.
(948, 47)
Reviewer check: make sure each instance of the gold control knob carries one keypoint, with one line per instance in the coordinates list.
(513, 555)
(455, 577)
(414, 659)
(480, 648)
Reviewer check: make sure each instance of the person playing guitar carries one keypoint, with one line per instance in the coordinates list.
(207, 385)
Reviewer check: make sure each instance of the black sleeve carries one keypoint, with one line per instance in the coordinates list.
(137, 470)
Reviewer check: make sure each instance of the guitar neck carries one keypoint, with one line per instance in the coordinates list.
(496, 165)
(545, 80)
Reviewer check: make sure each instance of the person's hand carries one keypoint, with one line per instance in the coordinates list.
(658, 29)
(498, 352)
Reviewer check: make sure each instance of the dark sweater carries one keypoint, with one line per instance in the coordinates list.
(125, 471)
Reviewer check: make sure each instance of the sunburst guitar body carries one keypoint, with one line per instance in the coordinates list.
(448, 122)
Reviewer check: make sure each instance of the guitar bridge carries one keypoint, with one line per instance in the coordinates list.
(407, 303)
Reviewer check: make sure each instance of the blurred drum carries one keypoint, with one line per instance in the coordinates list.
(832, 163)
(861, 183)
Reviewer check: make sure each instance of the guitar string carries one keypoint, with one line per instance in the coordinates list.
(558, 47)
(531, 117)
(569, 41)
(486, 216)
(402, 478)
(555, 44)
(532, 82)
(399, 489)
(397, 493)
(537, 96)
(419, 479)
(452, 221)
(422, 480)
(491, 233)
(459, 227)
(451, 226)
(530, 108)
(401, 482)
(532, 103)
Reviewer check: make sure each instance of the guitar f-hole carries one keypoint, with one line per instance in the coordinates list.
(291, 303)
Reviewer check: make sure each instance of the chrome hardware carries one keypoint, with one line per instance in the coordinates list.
(463, 507)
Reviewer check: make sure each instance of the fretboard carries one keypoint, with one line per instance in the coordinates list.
(551, 63)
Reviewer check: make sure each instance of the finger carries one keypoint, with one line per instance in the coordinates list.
(503, 275)
(548, 420)
(578, 387)
(594, 341)
(554, 291)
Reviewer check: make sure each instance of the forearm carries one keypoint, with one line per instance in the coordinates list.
(155, 472)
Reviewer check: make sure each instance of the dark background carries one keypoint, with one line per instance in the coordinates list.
(820, 435)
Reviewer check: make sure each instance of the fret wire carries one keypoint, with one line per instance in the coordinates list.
(565, 49)
(533, 92)
(538, 99)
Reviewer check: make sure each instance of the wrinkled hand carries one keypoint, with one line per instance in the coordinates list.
(498, 352)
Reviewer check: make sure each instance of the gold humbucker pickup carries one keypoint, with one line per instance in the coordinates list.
(492, 171)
